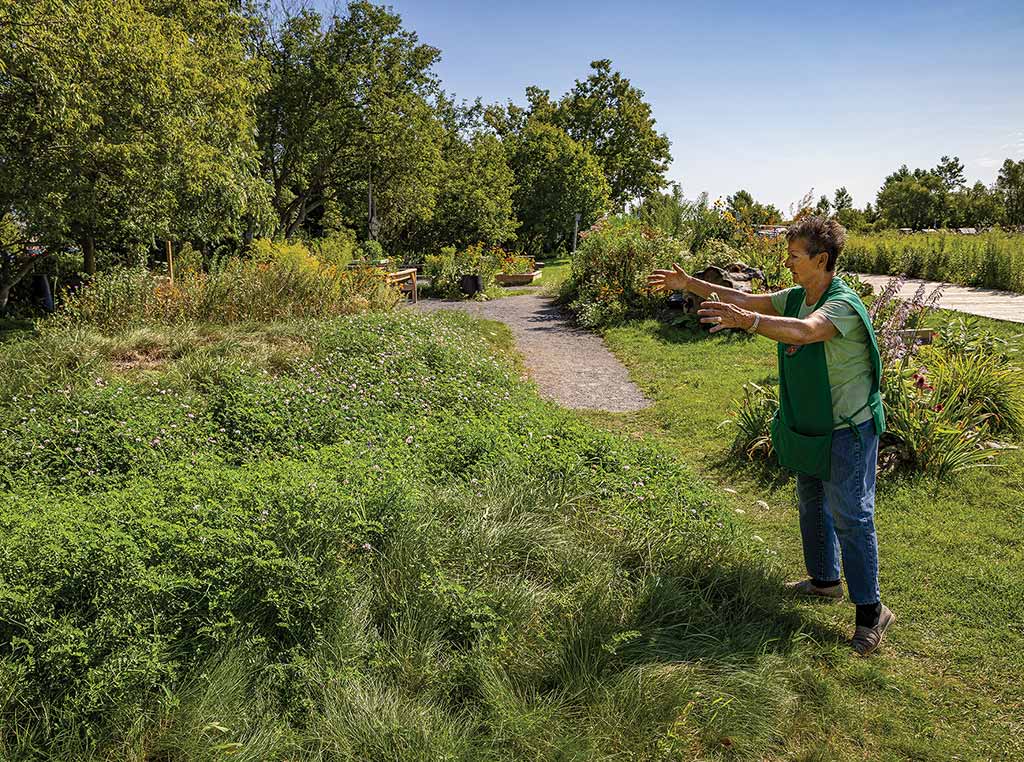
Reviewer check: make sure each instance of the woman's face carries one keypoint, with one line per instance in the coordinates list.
(800, 264)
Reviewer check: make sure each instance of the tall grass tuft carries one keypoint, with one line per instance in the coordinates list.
(993, 260)
(283, 281)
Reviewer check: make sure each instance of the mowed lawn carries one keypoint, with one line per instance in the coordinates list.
(949, 683)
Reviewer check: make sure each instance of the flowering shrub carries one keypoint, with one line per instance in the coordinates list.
(280, 281)
(608, 280)
(515, 264)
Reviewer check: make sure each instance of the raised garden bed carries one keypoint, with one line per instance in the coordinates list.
(516, 279)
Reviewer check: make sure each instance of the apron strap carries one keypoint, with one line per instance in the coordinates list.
(848, 420)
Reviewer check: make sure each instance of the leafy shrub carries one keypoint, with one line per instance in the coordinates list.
(337, 248)
(715, 252)
(862, 288)
(371, 251)
(963, 335)
(609, 273)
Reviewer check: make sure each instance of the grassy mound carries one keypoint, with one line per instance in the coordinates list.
(360, 539)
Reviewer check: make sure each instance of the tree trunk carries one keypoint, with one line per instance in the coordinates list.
(23, 269)
(89, 253)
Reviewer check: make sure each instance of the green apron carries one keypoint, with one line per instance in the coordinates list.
(802, 427)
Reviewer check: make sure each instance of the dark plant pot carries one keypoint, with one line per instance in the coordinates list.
(42, 292)
(471, 284)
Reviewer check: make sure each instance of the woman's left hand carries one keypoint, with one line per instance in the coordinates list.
(721, 315)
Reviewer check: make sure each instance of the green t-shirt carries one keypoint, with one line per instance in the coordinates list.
(847, 354)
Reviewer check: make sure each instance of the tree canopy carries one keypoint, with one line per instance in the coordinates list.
(557, 178)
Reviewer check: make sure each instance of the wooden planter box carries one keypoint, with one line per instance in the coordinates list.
(516, 279)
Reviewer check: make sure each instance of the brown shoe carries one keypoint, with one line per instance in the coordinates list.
(807, 587)
(866, 639)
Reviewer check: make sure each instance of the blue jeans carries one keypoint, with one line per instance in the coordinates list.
(839, 515)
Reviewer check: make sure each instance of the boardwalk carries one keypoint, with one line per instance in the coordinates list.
(1001, 305)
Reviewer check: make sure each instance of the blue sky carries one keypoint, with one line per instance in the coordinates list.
(771, 97)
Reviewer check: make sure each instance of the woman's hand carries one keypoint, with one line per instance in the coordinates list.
(721, 315)
(675, 279)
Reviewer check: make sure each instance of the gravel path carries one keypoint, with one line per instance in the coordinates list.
(987, 302)
(570, 366)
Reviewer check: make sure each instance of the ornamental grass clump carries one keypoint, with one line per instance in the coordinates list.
(279, 281)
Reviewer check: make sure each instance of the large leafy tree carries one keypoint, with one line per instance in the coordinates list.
(1010, 185)
(474, 202)
(556, 179)
(609, 115)
(974, 206)
(121, 122)
(912, 199)
(348, 117)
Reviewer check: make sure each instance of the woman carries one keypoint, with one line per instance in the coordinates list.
(830, 411)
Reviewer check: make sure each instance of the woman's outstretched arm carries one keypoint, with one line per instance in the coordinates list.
(677, 279)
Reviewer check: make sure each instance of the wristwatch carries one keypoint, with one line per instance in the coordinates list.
(757, 321)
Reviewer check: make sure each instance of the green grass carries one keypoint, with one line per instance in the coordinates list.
(367, 538)
(948, 684)
(554, 272)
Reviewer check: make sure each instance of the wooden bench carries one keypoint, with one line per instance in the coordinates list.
(406, 280)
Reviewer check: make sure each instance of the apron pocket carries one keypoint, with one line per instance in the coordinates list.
(810, 455)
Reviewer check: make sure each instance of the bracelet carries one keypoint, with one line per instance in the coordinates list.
(757, 321)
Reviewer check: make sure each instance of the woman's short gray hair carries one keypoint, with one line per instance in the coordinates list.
(820, 234)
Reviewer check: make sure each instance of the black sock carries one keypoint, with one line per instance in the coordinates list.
(823, 583)
(868, 614)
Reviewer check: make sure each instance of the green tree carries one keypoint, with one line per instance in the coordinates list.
(842, 200)
(610, 116)
(348, 113)
(912, 199)
(750, 212)
(121, 122)
(556, 178)
(852, 219)
(951, 172)
(1010, 185)
(824, 207)
(976, 206)
(475, 198)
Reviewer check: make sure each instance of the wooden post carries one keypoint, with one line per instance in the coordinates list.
(170, 262)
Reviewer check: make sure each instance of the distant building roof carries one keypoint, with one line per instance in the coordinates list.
(968, 231)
